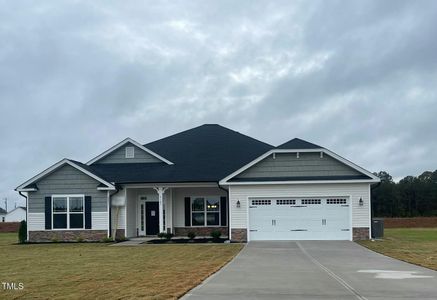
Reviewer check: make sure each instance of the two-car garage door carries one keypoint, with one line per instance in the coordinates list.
(311, 218)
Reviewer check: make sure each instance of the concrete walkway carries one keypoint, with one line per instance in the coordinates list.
(316, 270)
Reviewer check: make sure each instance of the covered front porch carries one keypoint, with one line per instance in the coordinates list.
(146, 210)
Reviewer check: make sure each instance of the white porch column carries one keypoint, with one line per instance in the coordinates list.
(161, 190)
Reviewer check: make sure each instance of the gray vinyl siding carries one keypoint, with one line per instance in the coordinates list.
(67, 180)
(118, 156)
(288, 165)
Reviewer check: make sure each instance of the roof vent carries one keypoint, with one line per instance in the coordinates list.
(130, 152)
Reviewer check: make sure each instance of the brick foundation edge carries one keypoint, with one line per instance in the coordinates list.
(67, 235)
(199, 231)
(239, 235)
(360, 233)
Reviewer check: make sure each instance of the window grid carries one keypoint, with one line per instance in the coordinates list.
(67, 211)
(209, 212)
(336, 201)
(285, 202)
(262, 202)
(311, 201)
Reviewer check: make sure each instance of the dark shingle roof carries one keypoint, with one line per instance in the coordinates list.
(203, 154)
(2, 211)
(298, 144)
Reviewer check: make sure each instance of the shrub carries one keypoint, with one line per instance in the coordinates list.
(191, 235)
(216, 234)
(162, 235)
(107, 240)
(22, 232)
(168, 236)
(121, 239)
(79, 239)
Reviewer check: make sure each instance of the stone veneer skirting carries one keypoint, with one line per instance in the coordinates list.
(67, 235)
(360, 233)
(199, 231)
(239, 234)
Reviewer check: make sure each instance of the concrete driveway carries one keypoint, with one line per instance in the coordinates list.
(316, 270)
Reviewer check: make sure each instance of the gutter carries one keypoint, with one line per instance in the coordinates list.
(27, 209)
(228, 209)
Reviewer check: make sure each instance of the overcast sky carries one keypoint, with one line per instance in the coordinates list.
(358, 77)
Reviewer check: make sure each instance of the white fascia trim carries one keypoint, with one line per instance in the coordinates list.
(27, 190)
(374, 178)
(123, 142)
(302, 182)
(58, 165)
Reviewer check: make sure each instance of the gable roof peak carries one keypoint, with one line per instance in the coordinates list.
(298, 143)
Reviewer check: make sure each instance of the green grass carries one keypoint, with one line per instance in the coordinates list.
(414, 245)
(98, 271)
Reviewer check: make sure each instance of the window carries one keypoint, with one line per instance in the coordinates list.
(311, 201)
(262, 202)
(285, 202)
(336, 201)
(68, 212)
(205, 211)
(130, 152)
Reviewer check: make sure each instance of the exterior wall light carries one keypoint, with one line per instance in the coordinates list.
(238, 204)
(361, 202)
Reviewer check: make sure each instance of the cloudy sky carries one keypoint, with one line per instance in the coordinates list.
(358, 77)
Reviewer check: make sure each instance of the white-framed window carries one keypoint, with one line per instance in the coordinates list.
(311, 201)
(129, 152)
(68, 212)
(261, 202)
(205, 211)
(336, 201)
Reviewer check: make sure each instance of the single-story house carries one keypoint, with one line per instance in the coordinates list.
(202, 179)
(3, 215)
(18, 214)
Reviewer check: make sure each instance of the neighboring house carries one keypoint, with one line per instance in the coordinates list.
(2, 215)
(203, 179)
(18, 214)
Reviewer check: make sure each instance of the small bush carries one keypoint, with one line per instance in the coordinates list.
(121, 239)
(79, 239)
(191, 235)
(168, 236)
(107, 240)
(55, 240)
(216, 234)
(162, 235)
(22, 232)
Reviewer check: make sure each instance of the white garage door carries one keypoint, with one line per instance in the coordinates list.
(299, 218)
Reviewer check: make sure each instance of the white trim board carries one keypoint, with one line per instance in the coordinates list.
(56, 166)
(374, 178)
(124, 142)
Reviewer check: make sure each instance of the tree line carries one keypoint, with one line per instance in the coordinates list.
(410, 197)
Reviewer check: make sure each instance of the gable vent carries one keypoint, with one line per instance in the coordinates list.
(130, 152)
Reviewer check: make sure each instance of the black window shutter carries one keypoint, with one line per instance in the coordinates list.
(48, 212)
(223, 210)
(87, 212)
(187, 211)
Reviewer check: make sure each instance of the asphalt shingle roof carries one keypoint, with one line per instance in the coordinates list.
(207, 153)
(298, 144)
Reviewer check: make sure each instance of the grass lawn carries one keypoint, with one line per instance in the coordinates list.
(414, 245)
(98, 271)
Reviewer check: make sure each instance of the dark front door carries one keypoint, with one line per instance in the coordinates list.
(152, 218)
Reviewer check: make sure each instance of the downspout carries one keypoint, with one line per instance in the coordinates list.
(27, 208)
(227, 209)
(110, 211)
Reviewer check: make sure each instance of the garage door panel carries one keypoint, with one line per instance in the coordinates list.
(300, 219)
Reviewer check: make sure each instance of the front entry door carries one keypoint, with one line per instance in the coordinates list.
(152, 218)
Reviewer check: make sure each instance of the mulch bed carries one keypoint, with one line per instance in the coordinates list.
(187, 241)
(418, 222)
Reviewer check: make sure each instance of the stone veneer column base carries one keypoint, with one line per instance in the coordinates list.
(239, 235)
(199, 231)
(67, 235)
(119, 234)
(360, 233)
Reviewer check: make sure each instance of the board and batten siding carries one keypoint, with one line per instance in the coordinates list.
(289, 165)
(360, 214)
(119, 156)
(67, 181)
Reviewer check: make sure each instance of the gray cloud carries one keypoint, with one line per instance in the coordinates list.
(356, 77)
